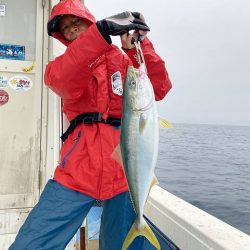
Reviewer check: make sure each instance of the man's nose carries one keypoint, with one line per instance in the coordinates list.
(73, 29)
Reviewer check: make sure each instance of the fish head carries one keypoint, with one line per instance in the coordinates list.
(138, 90)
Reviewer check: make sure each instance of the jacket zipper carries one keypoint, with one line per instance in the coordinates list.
(71, 149)
(101, 171)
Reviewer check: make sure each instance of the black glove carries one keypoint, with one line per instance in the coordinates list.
(120, 24)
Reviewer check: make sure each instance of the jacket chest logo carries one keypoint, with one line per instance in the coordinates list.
(116, 81)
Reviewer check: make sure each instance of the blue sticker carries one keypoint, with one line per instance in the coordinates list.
(12, 52)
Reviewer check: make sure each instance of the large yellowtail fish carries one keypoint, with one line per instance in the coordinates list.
(139, 146)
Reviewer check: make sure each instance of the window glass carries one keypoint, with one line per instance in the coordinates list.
(18, 29)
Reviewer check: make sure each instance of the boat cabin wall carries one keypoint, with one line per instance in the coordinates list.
(30, 114)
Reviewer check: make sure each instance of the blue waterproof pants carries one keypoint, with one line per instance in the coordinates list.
(60, 212)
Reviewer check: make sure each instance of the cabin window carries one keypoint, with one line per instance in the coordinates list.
(18, 30)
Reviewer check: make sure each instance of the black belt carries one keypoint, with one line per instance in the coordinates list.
(90, 118)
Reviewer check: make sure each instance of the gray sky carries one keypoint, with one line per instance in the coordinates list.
(206, 47)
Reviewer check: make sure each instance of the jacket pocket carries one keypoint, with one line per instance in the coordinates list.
(76, 141)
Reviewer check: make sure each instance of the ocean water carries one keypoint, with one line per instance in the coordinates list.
(209, 167)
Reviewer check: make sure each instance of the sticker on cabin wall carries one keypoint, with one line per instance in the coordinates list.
(3, 81)
(116, 80)
(2, 10)
(12, 52)
(20, 83)
(28, 69)
(4, 97)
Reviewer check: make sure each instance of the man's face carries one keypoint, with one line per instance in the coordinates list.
(71, 26)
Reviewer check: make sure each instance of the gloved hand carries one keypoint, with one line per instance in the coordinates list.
(128, 39)
(120, 24)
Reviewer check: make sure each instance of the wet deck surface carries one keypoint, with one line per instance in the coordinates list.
(93, 245)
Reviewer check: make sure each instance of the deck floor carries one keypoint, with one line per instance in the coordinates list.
(93, 245)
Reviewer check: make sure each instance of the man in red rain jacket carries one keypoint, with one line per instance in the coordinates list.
(89, 78)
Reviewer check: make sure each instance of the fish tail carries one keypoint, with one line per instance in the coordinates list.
(145, 231)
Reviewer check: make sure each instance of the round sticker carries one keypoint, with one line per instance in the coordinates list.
(4, 97)
(22, 83)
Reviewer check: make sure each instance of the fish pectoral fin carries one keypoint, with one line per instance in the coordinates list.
(145, 231)
(117, 155)
(163, 123)
(142, 123)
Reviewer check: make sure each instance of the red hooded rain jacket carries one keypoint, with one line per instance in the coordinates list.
(82, 77)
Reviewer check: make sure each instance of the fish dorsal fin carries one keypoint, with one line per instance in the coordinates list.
(142, 123)
(163, 123)
(117, 155)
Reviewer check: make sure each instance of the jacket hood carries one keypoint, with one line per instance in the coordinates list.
(67, 7)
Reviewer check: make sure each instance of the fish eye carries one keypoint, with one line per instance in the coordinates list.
(132, 83)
